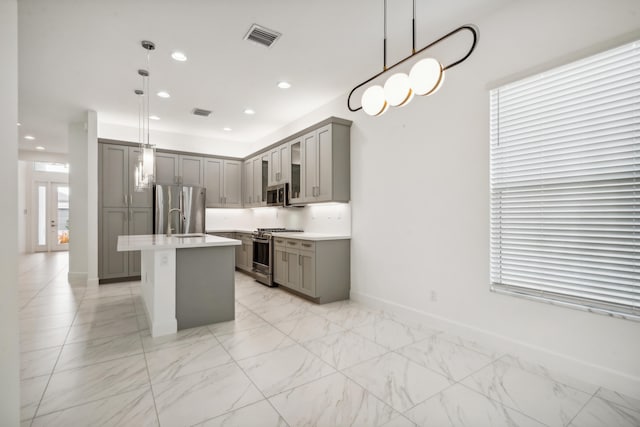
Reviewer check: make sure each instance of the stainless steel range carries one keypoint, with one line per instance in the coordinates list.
(263, 253)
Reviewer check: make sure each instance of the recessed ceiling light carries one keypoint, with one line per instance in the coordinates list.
(40, 147)
(227, 129)
(284, 85)
(29, 137)
(249, 111)
(154, 117)
(163, 94)
(179, 56)
(19, 124)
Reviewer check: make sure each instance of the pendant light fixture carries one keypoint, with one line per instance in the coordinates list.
(425, 78)
(145, 165)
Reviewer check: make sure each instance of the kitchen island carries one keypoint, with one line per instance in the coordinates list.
(187, 280)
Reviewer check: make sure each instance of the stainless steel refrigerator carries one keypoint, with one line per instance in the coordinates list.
(182, 207)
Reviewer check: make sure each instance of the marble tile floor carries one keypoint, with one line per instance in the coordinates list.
(88, 360)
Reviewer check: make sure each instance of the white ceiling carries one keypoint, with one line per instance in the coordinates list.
(76, 55)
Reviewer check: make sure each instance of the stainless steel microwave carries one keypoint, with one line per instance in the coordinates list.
(278, 195)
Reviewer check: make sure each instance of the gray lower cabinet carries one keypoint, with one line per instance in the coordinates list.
(119, 222)
(318, 269)
(244, 253)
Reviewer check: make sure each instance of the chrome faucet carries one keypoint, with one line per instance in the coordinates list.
(169, 229)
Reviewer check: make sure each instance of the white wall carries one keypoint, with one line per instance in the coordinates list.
(420, 196)
(175, 141)
(83, 202)
(9, 350)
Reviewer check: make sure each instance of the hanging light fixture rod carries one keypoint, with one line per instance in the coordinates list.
(468, 27)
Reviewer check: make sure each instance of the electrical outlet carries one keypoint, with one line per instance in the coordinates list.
(434, 296)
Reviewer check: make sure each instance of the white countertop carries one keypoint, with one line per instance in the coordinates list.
(161, 241)
(289, 235)
(310, 236)
(232, 230)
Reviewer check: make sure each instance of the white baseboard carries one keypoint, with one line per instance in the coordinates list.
(77, 278)
(553, 361)
(93, 283)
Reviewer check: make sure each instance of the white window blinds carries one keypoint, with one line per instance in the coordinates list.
(565, 184)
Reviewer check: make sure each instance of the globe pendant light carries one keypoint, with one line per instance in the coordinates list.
(397, 90)
(374, 102)
(425, 78)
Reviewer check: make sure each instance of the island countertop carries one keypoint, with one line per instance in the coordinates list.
(160, 241)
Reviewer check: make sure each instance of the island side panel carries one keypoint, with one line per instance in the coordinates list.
(158, 290)
(205, 285)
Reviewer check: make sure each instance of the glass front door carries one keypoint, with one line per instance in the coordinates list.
(52, 217)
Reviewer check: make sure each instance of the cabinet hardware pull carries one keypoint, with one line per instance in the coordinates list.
(125, 200)
(284, 257)
(299, 259)
(131, 199)
(306, 245)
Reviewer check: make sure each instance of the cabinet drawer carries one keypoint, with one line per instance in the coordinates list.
(279, 242)
(307, 245)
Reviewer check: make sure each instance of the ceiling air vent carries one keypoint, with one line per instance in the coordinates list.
(262, 35)
(201, 112)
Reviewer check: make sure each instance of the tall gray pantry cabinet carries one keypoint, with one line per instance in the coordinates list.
(122, 210)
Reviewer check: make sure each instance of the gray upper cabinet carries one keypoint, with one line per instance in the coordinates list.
(117, 187)
(191, 170)
(296, 193)
(279, 165)
(247, 189)
(167, 168)
(325, 164)
(260, 179)
(232, 183)
(223, 181)
(174, 168)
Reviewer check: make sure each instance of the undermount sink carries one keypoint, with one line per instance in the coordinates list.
(189, 235)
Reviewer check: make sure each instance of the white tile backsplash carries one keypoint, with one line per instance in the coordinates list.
(325, 218)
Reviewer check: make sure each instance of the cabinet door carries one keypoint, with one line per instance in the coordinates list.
(280, 267)
(293, 270)
(248, 183)
(257, 181)
(309, 165)
(274, 167)
(232, 184)
(115, 173)
(213, 182)
(114, 223)
(192, 170)
(296, 187)
(324, 163)
(138, 199)
(240, 257)
(140, 222)
(167, 169)
(307, 261)
(285, 163)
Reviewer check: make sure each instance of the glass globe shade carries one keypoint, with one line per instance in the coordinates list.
(426, 76)
(397, 90)
(373, 101)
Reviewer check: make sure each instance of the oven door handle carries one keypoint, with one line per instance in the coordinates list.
(259, 240)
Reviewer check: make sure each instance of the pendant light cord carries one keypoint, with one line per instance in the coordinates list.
(147, 93)
(413, 29)
(384, 42)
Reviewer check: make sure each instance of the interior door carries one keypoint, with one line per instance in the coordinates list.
(52, 217)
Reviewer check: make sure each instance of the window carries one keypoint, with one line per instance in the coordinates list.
(565, 185)
(51, 167)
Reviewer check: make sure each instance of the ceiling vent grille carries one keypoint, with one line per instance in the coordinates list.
(201, 112)
(262, 35)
